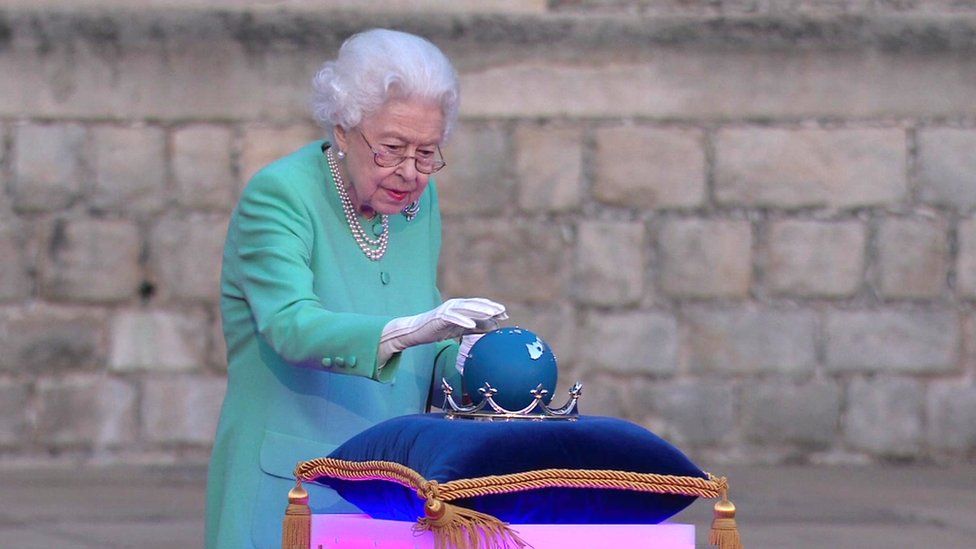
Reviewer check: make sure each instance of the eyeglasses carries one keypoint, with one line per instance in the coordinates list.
(390, 156)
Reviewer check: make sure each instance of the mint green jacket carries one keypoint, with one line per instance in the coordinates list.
(303, 309)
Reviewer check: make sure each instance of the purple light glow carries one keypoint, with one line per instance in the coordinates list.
(362, 532)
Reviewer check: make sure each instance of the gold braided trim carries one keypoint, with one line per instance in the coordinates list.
(712, 487)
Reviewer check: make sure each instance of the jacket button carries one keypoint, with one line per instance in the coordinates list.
(351, 362)
(327, 362)
(385, 277)
(339, 362)
(377, 228)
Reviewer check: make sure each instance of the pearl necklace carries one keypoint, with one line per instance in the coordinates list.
(373, 248)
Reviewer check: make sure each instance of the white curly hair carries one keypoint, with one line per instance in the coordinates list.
(377, 65)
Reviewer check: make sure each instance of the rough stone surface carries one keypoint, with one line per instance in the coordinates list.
(711, 84)
(804, 414)
(604, 395)
(47, 166)
(629, 342)
(181, 409)
(13, 412)
(185, 256)
(884, 416)
(913, 256)
(947, 167)
(91, 260)
(262, 145)
(86, 412)
(15, 283)
(548, 168)
(966, 266)
(650, 168)
(158, 340)
(815, 259)
(749, 341)
(695, 412)
(892, 341)
(130, 169)
(715, 125)
(843, 168)
(202, 167)
(706, 258)
(44, 340)
(522, 261)
(610, 262)
(951, 416)
(477, 179)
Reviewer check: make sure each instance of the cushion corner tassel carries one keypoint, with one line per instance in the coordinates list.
(724, 533)
(296, 532)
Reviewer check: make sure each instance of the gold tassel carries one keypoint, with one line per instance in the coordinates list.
(296, 532)
(725, 533)
(455, 527)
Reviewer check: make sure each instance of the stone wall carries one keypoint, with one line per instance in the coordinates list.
(749, 225)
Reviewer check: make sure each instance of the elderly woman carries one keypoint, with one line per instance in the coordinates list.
(330, 308)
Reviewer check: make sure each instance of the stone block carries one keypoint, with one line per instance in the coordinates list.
(610, 262)
(947, 167)
(13, 413)
(731, 82)
(477, 179)
(44, 340)
(506, 260)
(15, 282)
(892, 341)
(556, 324)
(884, 416)
(913, 256)
(158, 340)
(966, 262)
(185, 255)
(951, 416)
(603, 395)
(182, 409)
(815, 258)
(263, 145)
(805, 414)
(637, 342)
(202, 167)
(130, 169)
(650, 168)
(842, 168)
(47, 166)
(89, 411)
(706, 258)
(749, 341)
(548, 167)
(91, 260)
(695, 412)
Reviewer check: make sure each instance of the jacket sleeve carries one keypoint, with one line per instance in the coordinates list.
(272, 242)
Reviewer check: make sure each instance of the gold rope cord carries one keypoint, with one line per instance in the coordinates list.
(711, 487)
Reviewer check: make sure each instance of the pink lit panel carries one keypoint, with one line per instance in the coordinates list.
(362, 532)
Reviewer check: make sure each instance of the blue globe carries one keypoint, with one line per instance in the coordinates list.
(514, 361)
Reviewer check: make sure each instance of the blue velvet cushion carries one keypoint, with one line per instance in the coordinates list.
(445, 450)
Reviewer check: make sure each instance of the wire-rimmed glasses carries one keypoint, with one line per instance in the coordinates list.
(425, 162)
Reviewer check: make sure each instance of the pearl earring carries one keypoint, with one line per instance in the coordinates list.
(341, 154)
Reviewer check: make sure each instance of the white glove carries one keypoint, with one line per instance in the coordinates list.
(464, 351)
(453, 318)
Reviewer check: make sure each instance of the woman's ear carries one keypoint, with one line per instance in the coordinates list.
(340, 138)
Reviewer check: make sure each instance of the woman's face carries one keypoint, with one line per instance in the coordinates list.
(408, 127)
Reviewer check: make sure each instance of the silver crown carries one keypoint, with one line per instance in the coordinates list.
(489, 410)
